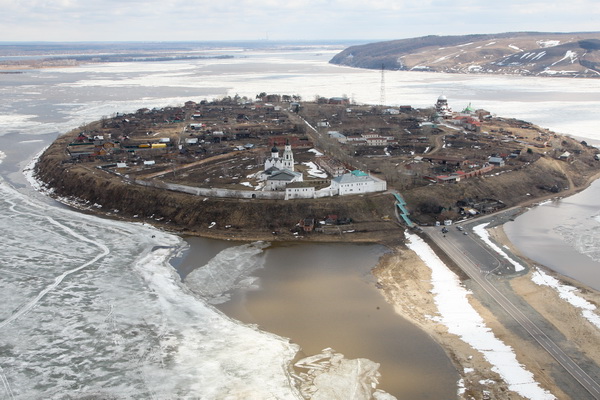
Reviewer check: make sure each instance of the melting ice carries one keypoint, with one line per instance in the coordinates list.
(94, 308)
(228, 270)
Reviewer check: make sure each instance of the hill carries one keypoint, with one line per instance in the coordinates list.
(521, 53)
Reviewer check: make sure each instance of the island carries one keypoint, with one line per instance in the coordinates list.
(278, 168)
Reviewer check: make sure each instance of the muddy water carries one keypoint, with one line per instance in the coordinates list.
(563, 235)
(323, 295)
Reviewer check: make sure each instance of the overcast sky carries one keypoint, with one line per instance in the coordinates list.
(207, 20)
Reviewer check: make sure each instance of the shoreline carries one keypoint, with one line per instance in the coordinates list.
(405, 282)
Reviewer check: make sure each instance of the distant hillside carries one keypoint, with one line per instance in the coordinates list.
(521, 53)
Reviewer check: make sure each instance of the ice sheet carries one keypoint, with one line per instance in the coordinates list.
(96, 90)
(94, 309)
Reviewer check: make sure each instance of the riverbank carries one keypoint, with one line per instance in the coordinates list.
(406, 282)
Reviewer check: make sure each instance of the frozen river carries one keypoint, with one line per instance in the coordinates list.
(91, 306)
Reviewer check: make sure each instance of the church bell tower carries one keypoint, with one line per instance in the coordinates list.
(288, 156)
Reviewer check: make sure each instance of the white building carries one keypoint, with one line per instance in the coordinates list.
(279, 180)
(279, 171)
(286, 161)
(357, 182)
(442, 107)
(299, 190)
(377, 141)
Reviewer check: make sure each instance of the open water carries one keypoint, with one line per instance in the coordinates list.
(563, 235)
(91, 307)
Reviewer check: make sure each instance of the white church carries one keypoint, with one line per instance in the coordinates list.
(279, 171)
(442, 107)
(279, 175)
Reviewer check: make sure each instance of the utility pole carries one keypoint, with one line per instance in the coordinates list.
(382, 89)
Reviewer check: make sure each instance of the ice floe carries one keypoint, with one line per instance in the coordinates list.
(330, 376)
(228, 270)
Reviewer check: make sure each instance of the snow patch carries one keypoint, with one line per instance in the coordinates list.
(570, 55)
(539, 55)
(314, 171)
(316, 152)
(484, 235)
(548, 43)
(568, 293)
(548, 71)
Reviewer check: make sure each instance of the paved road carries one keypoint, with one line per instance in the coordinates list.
(478, 262)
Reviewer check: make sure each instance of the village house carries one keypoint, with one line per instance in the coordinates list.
(330, 165)
(497, 161)
(338, 136)
(339, 100)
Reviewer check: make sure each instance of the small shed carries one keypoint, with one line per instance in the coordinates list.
(499, 161)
